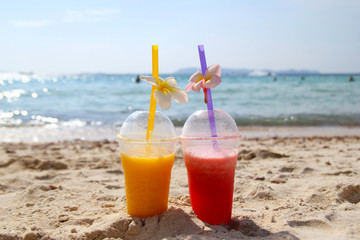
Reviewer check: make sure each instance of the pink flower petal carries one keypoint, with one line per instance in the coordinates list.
(213, 82)
(213, 70)
(196, 77)
(197, 86)
(189, 87)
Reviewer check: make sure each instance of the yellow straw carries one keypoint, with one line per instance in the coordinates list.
(152, 109)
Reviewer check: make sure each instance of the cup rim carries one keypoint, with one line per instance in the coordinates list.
(209, 138)
(122, 139)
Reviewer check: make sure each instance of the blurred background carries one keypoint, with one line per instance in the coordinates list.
(68, 69)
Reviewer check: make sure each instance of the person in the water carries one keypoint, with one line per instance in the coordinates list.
(137, 80)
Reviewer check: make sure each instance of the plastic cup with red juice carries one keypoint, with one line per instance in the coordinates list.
(210, 163)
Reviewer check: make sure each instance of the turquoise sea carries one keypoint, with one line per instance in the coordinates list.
(98, 100)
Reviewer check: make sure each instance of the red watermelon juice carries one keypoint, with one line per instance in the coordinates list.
(211, 181)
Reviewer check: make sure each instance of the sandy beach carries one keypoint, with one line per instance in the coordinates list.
(281, 76)
(298, 187)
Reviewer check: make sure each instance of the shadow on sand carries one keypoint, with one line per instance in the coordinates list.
(175, 223)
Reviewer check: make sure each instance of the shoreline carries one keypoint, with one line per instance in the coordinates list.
(305, 131)
(43, 134)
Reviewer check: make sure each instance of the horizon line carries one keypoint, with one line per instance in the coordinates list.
(168, 73)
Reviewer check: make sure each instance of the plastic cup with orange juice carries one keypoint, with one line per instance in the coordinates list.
(147, 163)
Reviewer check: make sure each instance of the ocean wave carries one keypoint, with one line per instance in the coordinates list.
(26, 77)
(11, 77)
(301, 120)
(98, 100)
(18, 118)
(22, 118)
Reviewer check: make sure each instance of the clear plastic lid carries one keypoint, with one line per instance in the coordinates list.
(135, 127)
(197, 126)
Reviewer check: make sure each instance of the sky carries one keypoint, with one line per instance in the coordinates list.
(66, 36)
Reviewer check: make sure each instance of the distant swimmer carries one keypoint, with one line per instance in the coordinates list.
(302, 78)
(275, 79)
(137, 79)
(351, 79)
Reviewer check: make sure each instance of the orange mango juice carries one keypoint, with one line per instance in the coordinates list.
(147, 182)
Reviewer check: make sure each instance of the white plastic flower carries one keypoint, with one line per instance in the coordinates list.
(165, 89)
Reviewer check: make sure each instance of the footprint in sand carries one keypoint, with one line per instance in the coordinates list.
(34, 163)
(314, 223)
(350, 193)
(248, 155)
(248, 228)
(8, 163)
(269, 154)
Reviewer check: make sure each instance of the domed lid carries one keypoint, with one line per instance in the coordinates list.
(135, 126)
(197, 126)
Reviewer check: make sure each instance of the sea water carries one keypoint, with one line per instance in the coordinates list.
(92, 101)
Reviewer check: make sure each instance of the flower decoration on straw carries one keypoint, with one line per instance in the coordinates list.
(210, 80)
(165, 90)
(206, 79)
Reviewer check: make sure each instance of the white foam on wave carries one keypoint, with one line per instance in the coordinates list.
(10, 77)
(42, 120)
(25, 77)
(59, 133)
(74, 123)
(258, 73)
(7, 118)
(96, 123)
(12, 95)
(18, 118)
